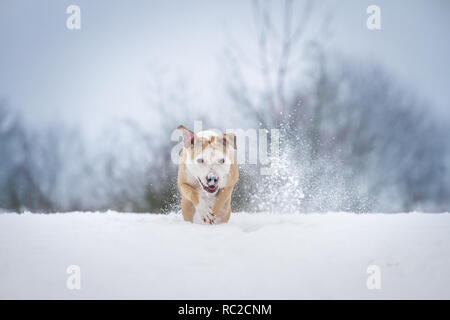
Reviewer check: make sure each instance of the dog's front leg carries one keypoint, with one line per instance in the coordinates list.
(222, 197)
(203, 209)
(189, 193)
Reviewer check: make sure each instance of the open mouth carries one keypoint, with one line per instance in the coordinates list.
(211, 188)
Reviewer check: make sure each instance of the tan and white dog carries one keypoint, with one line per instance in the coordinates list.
(207, 173)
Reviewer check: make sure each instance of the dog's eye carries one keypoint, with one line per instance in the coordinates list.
(200, 160)
(222, 161)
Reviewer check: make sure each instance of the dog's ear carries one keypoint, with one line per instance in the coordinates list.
(188, 136)
(230, 138)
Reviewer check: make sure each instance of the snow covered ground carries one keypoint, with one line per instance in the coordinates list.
(255, 256)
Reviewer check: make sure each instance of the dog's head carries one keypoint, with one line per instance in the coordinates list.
(208, 157)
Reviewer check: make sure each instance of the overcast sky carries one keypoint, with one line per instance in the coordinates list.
(101, 71)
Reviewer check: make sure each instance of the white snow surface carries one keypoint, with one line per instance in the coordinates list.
(254, 256)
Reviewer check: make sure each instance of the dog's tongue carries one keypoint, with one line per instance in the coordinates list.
(212, 187)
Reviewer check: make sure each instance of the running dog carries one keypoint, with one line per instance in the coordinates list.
(207, 173)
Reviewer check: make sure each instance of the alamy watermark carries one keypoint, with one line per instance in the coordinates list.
(73, 281)
(257, 139)
(373, 281)
(374, 20)
(73, 22)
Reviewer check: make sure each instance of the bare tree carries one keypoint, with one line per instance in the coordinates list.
(362, 141)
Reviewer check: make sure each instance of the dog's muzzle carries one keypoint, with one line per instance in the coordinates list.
(212, 179)
(211, 183)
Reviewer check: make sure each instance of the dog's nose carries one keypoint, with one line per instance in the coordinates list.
(212, 178)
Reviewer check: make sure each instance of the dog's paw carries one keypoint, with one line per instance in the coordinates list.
(205, 213)
(209, 219)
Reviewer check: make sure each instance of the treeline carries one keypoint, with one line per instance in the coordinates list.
(355, 140)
